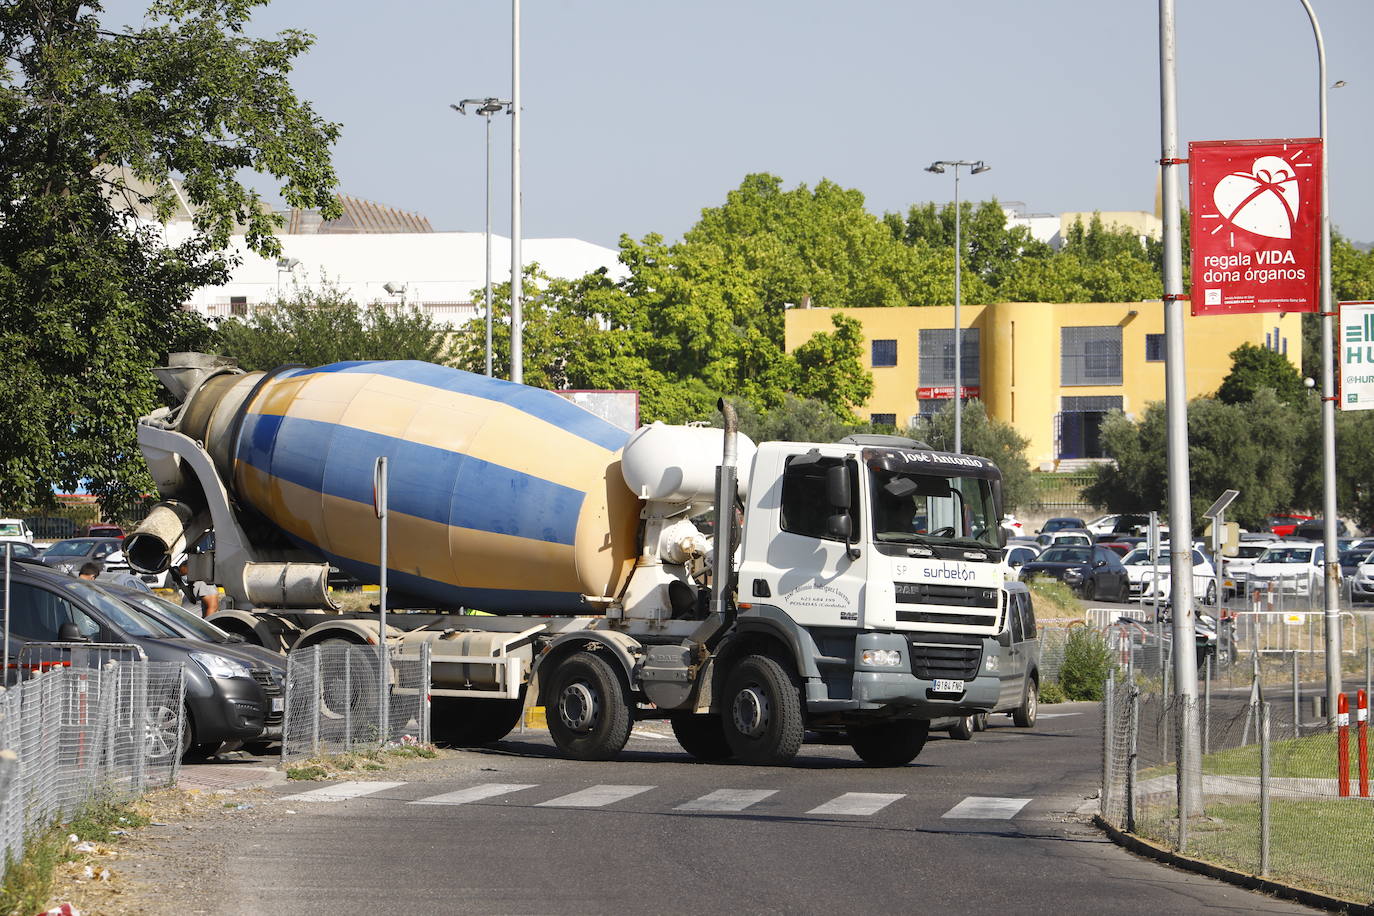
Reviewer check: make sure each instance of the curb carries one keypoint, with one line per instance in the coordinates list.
(1306, 897)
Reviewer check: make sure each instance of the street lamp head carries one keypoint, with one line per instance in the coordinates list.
(288, 263)
(936, 167)
(394, 289)
(488, 106)
(979, 167)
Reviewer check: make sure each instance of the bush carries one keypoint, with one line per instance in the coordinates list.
(1087, 662)
(1052, 692)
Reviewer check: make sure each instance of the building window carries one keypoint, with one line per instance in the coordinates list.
(238, 305)
(1154, 348)
(1078, 427)
(883, 419)
(937, 357)
(884, 353)
(1090, 356)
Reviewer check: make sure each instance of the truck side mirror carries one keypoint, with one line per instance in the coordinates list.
(840, 526)
(837, 486)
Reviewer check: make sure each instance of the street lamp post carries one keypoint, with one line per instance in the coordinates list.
(974, 167)
(289, 265)
(486, 107)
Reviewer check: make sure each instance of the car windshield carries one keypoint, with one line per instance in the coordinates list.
(1287, 555)
(1141, 557)
(10, 530)
(1059, 524)
(155, 605)
(1066, 555)
(70, 549)
(132, 622)
(1249, 552)
(914, 508)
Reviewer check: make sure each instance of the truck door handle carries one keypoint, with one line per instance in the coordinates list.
(761, 589)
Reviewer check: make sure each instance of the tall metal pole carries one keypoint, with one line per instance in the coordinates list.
(1176, 399)
(488, 116)
(517, 352)
(1331, 595)
(379, 488)
(958, 328)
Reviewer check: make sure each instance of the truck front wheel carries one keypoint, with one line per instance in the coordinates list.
(762, 716)
(590, 717)
(889, 744)
(701, 736)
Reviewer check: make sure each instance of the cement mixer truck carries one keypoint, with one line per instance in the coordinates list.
(849, 587)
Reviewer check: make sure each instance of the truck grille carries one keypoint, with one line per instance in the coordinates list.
(940, 655)
(949, 595)
(969, 620)
(271, 687)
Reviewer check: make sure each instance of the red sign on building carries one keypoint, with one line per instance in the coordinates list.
(946, 392)
(1256, 224)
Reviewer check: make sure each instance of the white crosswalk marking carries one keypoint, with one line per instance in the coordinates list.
(974, 807)
(1057, 715)
(727, 800)
(474, 794)
(343, 791)
(857, 804)
(595, 797)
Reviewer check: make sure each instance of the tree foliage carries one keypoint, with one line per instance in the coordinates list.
(314, 328)
(1253, 368)
(986, 437)
(94, 125)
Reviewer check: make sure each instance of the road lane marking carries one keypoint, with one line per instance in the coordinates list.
(975, 807)
(595, 797)
(857, 804)
(1057, 715)
(474, 794)
(727, 800)
(343, 791)
(640, 733)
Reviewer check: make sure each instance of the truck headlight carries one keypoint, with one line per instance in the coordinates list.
(881, 658)
(220, 667)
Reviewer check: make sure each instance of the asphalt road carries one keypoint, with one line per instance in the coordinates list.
(978, 826)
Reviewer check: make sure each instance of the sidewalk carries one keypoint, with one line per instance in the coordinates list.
(226, 773)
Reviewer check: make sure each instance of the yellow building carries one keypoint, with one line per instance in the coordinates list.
(1051, 370)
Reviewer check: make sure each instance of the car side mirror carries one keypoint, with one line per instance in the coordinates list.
(1099, 564)
(70, 632)
(1004, 638)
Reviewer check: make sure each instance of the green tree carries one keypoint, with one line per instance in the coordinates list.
(1253, 368)
(94, 125)
(986, 437)
(314, 328)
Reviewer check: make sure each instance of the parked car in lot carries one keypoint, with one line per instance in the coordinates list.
(1315, 530)
(1017, 664)
(1093, 572)
(102, 530)
(1065, 537)
(1235, 571)
(1291, 568)
(1362, 582)
(73, 552)
(1062, 524)
(225, 699)
(19, 550)
(16, 530)
(1143, 575)
(1017, 555)
(1118, 524)
(1285, 525)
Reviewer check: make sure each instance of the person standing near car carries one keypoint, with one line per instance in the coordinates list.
(203, 594)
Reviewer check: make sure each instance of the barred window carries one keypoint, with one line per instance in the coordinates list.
(1090, 356)
(884, 353)
(883, 419)
(1154, 348)
(937, 357)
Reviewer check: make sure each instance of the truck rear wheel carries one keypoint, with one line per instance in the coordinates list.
(589, 717)
(763, 715)
(889, 744)
(701, 736)
(1024, 715)
(465, 722)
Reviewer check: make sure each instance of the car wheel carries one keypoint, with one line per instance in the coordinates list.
(589, 717)
(889, 744)
(1211, 596)
(980, 722)
(963, 729)
(1024, 716)
(701, 736)
(160, 732)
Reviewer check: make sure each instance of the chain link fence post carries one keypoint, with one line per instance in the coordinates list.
(1297, 699)
(1207, 706)
(1108, 728)
(1264, 789)
(424, 686)
(317, 699)
(1133, 737)
(348, 706)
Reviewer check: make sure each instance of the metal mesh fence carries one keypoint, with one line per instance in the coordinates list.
(70, 735)
(332, 698)
(1265, 794)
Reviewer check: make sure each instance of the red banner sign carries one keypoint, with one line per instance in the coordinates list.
(1256, 223)
(946, 392)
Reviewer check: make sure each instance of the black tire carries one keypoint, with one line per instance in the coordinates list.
(467, 722)
(980, 722)
(588, 712)
(963, 729)
(1024, 715)
(762, 712)
(889, 744)
(1090, 590)
(1211, 596)
(701, 736)
(263, 748)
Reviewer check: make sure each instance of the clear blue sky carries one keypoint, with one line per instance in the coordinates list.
(639, 113)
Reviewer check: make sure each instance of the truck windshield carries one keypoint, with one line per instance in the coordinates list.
(915, 508)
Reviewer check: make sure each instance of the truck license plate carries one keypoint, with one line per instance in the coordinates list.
(948, 686)
(278, 705)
